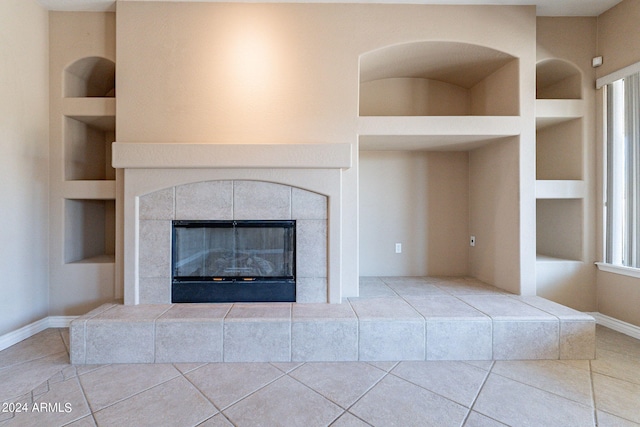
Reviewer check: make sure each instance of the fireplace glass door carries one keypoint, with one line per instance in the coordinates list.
(233, 261)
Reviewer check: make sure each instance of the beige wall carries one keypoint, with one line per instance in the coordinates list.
(619, 297)
(619, 37)
(619, 45)
(24, 155)
(495, 217)
(288, 73)
(418, 199)
(413, 97)
(273, 73)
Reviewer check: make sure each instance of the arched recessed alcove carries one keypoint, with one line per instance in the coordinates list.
(558, 79)
(90, 77)
(438, 78)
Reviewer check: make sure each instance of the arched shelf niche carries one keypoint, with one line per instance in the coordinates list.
(558, 79)
(438, 78)
(90, 77)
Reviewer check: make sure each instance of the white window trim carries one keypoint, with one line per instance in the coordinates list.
(619, 269)
(617, 75)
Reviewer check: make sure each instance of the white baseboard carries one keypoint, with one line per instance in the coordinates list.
(60, 321)
(14, 337)
(617, 325)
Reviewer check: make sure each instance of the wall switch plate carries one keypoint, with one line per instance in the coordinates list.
(398, 248)
(472, 241)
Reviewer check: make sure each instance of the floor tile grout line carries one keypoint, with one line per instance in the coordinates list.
(253, 392)
(617, 378)
(533, 386)
(317, 392)
(86, 400)
(205, 397)
(593, 396)
(68, 348)
(353, 415)
(618, 416)
(323, 396)
(423, 387)
(137, 393)
(14, 365)
(386, 373)
(215, 415)
(475, 399)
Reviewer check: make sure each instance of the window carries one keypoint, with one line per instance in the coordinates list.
(622, 175)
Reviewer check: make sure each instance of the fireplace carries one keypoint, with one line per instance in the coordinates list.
(233, 261)
(164, 182)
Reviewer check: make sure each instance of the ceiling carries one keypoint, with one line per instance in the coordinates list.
(545, 7)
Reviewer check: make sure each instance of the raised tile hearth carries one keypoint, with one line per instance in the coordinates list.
(395, 318)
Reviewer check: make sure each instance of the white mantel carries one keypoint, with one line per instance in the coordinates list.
(136, 155)
(150, 167)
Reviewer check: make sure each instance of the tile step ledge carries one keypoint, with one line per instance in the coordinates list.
(357, 330)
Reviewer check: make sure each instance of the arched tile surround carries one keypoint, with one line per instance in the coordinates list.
(231, 200)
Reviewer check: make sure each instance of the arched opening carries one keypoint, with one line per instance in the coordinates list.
(437, 78)
(558, 79)
(90, 77)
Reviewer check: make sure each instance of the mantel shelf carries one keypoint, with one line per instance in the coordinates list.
(434, 132)
(136, 155)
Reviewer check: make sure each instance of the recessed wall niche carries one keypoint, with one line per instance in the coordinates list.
(558, 79)
(559, 151)
(89, 230)
(559, 228)
(439, 79)
(90, 77)
(88, 149)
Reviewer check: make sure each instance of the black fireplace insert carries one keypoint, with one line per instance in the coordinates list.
(233, 261)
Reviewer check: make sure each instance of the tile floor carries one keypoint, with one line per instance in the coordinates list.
(36, 375)
(37, 378)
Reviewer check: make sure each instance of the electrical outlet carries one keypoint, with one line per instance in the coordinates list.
(472, 241)
(398, 248)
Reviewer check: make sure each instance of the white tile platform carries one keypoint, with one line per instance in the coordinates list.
(394, 319)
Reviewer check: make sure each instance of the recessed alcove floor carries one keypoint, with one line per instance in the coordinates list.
(394, 319)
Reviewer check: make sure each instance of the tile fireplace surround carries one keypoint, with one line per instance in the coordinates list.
(224, 181)
(232, 200)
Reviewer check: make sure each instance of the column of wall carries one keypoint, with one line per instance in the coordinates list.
(82, 181)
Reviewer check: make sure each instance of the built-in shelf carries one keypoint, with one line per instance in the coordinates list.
(551, 112)
(90, 77)
(99, 113)
(89, 190)
(541, 258)
(559, 151)
(87, 151)
(558, 79)
(560, 189)
(100, 259)
(429, 133)
(559, 228)
(438, 78)
(89, 230)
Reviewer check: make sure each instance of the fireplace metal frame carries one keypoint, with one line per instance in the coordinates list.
(205, 289)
